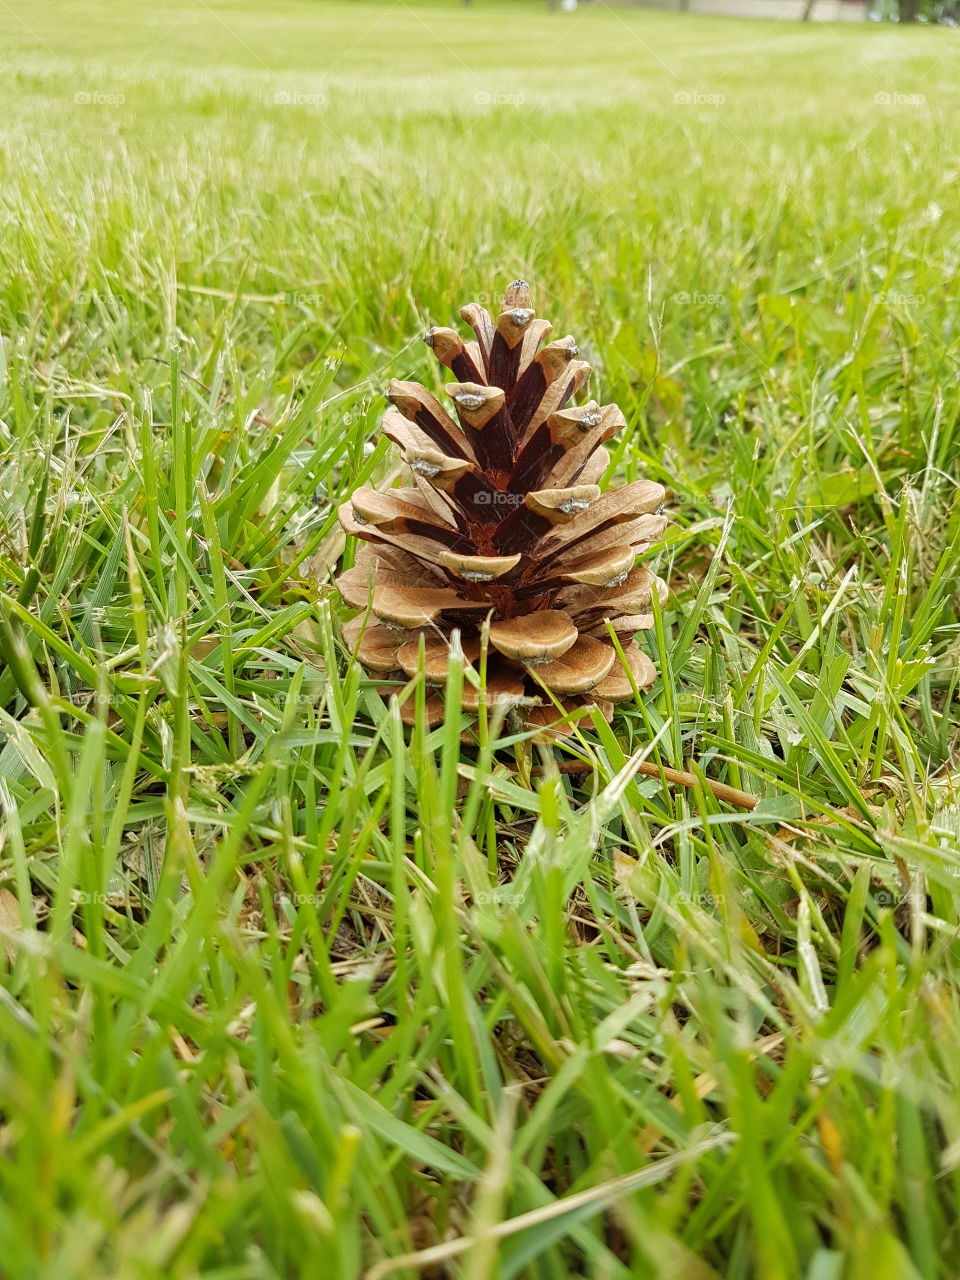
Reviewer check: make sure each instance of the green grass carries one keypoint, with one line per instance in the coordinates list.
(290, 991)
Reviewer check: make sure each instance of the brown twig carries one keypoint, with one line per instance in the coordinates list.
(679, 778)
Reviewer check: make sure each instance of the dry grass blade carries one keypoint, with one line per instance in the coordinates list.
(598, 1197)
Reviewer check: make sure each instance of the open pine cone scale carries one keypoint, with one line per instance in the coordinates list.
(505, 521)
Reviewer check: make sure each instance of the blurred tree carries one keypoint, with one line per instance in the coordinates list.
(932, 12)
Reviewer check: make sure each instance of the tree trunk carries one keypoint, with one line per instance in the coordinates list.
(908, 10)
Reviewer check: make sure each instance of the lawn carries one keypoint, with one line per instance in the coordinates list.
(292, 990)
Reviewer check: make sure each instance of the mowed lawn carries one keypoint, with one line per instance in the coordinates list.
(290, 990)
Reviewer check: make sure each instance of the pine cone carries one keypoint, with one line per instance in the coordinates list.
(505, 520)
